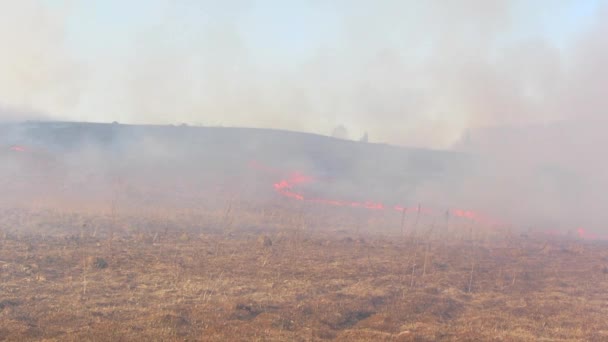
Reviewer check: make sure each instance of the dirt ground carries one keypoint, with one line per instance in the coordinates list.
(253, 275)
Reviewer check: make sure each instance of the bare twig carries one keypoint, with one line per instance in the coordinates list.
(426, 256)
(417, 217)
(447, 221)
(413, 267)
(471, 276)
(403, 220)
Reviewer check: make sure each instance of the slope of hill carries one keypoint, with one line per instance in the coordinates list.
(351, 169)
(533, 181)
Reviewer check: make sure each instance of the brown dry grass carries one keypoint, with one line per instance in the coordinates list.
(190, 276)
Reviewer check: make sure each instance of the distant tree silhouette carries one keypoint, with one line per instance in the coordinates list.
(364, 138)
(340, 132)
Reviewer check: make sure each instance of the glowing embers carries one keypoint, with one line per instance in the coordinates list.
(579, 232)
(285, 187)
(584, 234)
(18, 148)
(288, 188)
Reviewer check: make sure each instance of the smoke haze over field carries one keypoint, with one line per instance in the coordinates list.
(408, 72)
(518, 85)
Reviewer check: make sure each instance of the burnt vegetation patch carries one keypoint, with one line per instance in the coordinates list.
(349, 319)
(8, 303)
(246, 312)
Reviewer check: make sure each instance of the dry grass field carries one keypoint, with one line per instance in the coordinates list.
(280, 275)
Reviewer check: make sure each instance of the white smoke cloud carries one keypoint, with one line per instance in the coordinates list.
(37, 71)
(409, 72)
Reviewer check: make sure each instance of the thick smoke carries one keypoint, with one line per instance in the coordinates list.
(410, 73)
(39, 74)
(8, 114)
(499, 80)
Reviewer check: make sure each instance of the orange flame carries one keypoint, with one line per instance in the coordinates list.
(286, 187)
(18, 148)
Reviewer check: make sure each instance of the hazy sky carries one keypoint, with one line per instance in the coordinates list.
(409, 72)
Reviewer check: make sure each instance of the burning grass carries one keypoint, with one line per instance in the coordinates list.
(75, 276)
